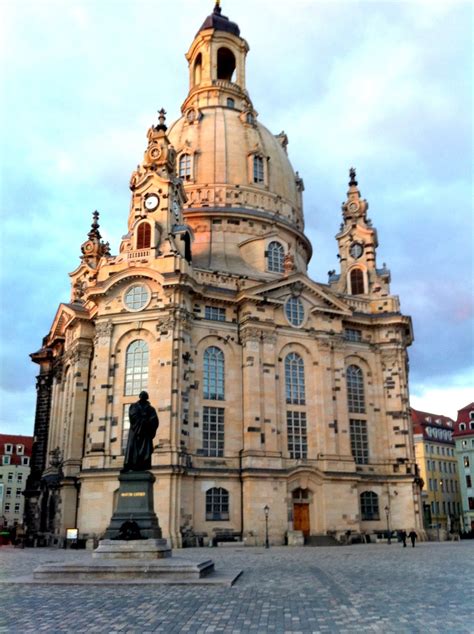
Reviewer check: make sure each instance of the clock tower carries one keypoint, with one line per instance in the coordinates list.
(357, 242)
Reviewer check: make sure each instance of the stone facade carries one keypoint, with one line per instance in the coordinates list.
(208, 306)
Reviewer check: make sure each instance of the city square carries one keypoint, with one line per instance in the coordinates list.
(359, 588)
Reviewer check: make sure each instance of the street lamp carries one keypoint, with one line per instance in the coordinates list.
(387, 513)
(266, 510)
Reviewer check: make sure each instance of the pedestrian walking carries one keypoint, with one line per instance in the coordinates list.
(412, 535)
(403, 537)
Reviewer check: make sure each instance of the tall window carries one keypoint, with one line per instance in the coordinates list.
(369, 506)
(125, 426)
(357, 282)
(217, 504)
(185, 167)
(276, 257)
(213, 379)
(143, 235)
(359, 441)
(213, 431)
(355, 389)
(297, 435)
(230, 102)
(136, 367)
(294, 379)
(258, 169)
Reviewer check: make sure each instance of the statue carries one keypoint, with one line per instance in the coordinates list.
(143, 425)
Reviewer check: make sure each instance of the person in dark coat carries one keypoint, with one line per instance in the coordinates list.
(403, 537)
(143, 425)
(412, 535)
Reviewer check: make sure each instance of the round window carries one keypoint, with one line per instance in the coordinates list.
(136, 297)
(294, 311)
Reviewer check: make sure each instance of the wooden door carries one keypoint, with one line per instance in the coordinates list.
(301, 518)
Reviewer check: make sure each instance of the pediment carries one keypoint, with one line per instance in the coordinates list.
(319, 297)
(65, 315)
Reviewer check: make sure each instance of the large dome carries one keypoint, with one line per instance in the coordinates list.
(221, 147)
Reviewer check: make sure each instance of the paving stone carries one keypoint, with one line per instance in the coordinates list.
(359, 588)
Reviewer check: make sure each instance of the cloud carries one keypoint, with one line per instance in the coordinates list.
(382, 85)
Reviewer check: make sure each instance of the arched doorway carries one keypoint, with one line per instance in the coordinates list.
(301, 499)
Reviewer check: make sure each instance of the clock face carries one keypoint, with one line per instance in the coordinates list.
(353, 207)
(151, 202)
(356, 250)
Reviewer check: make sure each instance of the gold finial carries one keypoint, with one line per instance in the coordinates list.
(217, 7)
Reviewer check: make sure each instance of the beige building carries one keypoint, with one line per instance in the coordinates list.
(437, 463)
(271, 389)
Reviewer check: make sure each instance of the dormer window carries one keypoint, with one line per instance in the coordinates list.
(250, 119)
(275, 257)
(258, 170)
(185, 167)
(143, 235)
(20, 450)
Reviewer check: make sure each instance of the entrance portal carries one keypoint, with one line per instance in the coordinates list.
(301, 511)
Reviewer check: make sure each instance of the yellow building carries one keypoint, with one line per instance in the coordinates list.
(438, 468)
(271, 388)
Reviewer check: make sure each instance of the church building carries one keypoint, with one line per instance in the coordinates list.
(272, 390)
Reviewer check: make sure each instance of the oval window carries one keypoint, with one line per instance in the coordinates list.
(136, 297)
(294, 311)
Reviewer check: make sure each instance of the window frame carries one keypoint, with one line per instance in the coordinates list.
(369, 506)
(359, 438)
(297, 434)
(213, 374)
(185, 164)
(275, 255)
(136, 381)
(295, 389)
(217, 505)
(213, 431)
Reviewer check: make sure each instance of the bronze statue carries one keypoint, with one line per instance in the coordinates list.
(143, 425)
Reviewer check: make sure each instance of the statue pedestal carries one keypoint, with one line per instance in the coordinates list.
(135, 501)
(132, 549)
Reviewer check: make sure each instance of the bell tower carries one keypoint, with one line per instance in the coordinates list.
(155, 220)
(216, 61)
(357, 242)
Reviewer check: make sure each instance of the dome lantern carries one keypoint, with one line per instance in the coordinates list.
(216, 62)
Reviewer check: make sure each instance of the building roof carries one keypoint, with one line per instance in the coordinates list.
(464, 418)
(14, 439)
(219, 22)
(428, 418)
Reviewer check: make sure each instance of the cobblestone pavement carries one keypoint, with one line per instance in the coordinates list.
(359, 588)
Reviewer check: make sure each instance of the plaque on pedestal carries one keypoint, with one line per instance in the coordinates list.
(135, 503)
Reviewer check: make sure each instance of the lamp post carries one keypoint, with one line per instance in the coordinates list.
(266, 510)
(387, 513)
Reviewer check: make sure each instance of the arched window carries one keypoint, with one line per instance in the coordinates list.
(357, 282)
(355, 389)
(213, 374)
(369, 506)
(230, 102)
(225, 64)
(143, 235)
(294, 379)
(197, 69)
(136, 367)
(185, 167)
(275, 257)
(217, 504)
(258, 169)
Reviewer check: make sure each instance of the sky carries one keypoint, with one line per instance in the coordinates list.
(385, 86)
